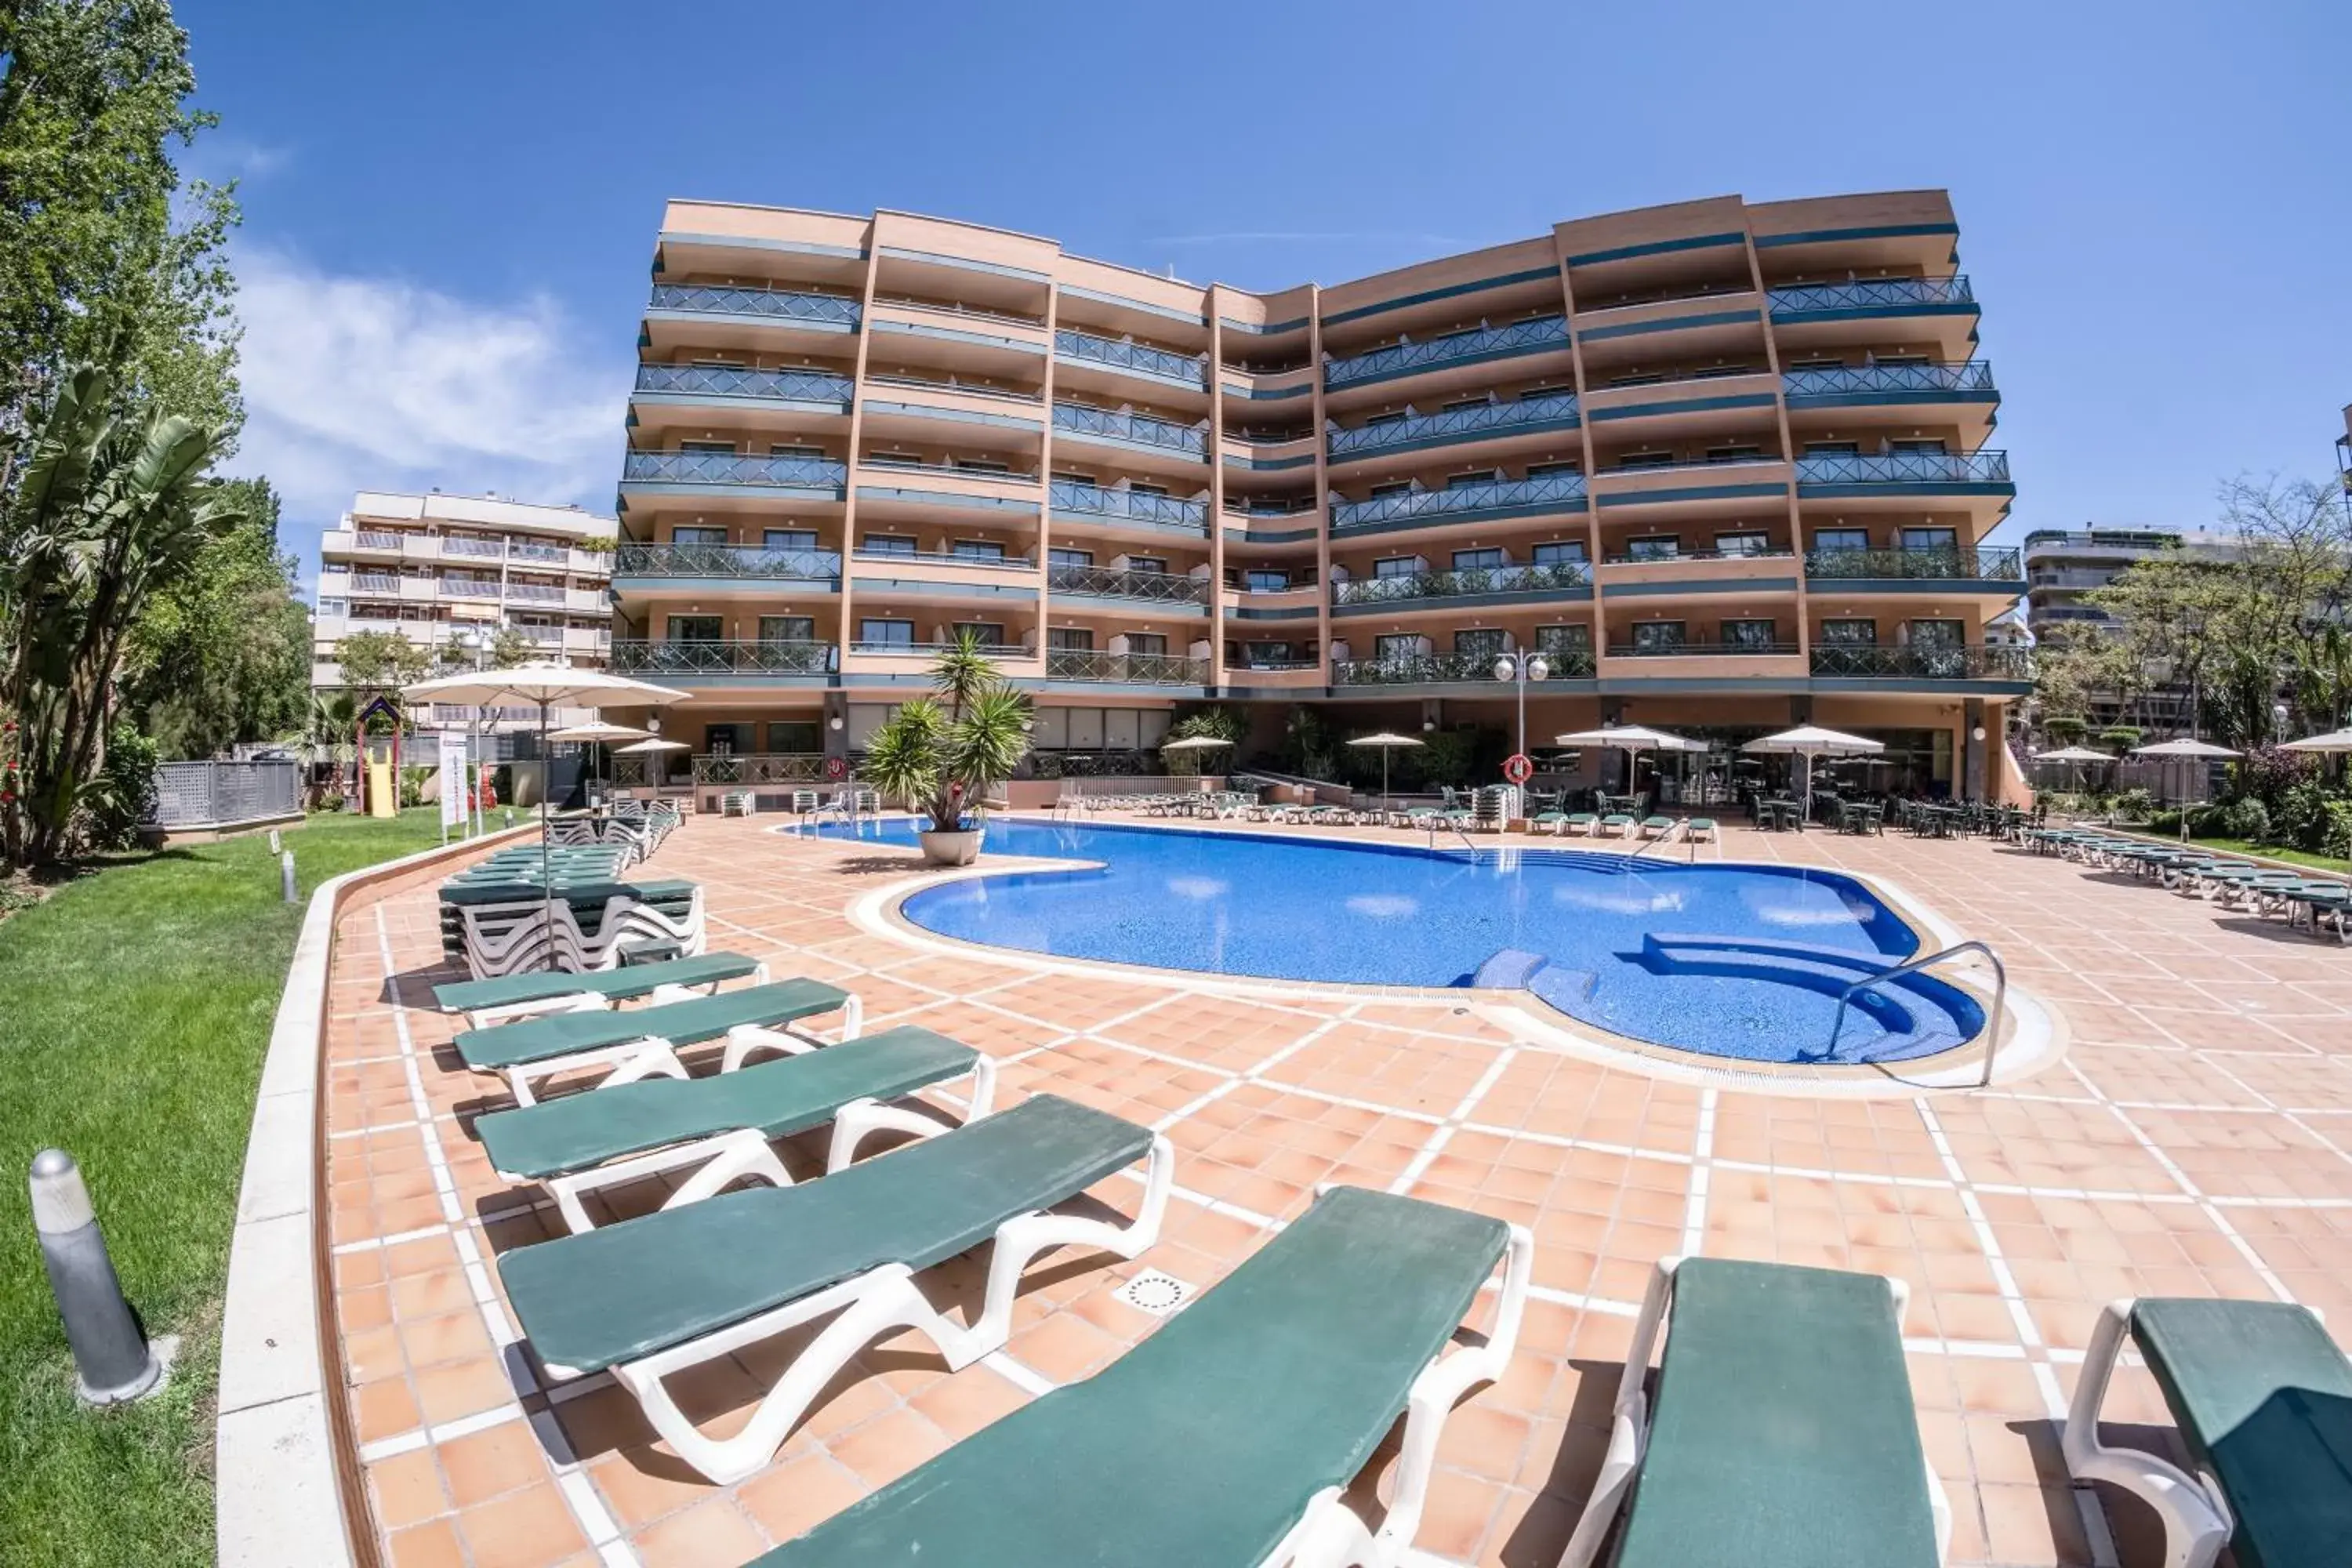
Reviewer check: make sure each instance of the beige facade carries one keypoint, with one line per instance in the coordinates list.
(1723, 464)
(446, 570)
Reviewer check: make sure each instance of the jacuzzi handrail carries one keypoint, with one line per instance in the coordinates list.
(2000, 995)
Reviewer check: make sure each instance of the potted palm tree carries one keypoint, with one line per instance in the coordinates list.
(941, 756)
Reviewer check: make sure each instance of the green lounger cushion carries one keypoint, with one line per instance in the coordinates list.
(616, 984)
(779, 1097)
(504, 1046)
(2265, 1400)
(1782, 1434)
(1702, 824)
(1202, 1445)
(613, 1295)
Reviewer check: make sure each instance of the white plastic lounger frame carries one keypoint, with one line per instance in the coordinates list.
(2196, 1519)
(588, 1001)
(875, 1304)
(727, 1158)
(652, 1055)
(1628, 1432)
(1330, 1534)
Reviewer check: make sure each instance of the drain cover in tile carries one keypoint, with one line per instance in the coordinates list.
(1154, 1292)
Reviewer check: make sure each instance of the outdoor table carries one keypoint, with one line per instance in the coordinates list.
(1780, 815)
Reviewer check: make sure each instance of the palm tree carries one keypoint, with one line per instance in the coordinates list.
(941, 754)
(105, 515)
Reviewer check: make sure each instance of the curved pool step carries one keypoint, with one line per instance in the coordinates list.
(1906, 1005)
(1515, 969)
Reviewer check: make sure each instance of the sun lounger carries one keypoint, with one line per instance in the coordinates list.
(645, 1041)
(1553, 822)
(1703, 827)
(1782, 1436)
(1616, 824)
(1582, 823)
(1656, 827)
(2264, 1401)
(662, 1294)
(508, 996)
(1225, 1440)
(727, 1125)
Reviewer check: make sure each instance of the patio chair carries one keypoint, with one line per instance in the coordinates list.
(668, 1292)
(645, 1041)
(1782, 1434)
(511, 996)
(2264, 1401)
(725, 1127)
(1227, 1438)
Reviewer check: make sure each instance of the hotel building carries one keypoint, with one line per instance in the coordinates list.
(451, 570)
(1725, 465)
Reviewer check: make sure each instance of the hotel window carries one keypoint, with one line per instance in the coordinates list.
(977, 550)
(1262, 581)
(1487, 642)
(1061, 556)
(1463, 405)
(1560, 553)
(724, 446)
(1717, 371)
(787, 538)
(1849, 634)
(981, 465)
(1140, 489)
(696, 629)
(1146, 563)
(1832, 449)
(1477, 560)
(1814, 365)
(1393, 487)
(1466, 481)
(1150, 644)
(789, 736)
(1378, 420)
(1937, 633)
(684, 535)
(1934, 448)
(1637, 378)
(1899, 359)
(1269, 655)
(1396, 646)
(1740, 454)
(1654, 547)
(886, 544)
(987, 634)
(1756, 637)
(1830, 539)
(885, 634)
(789, 450)
(1070, 639)
(1659, 636)
(1545, 471)
(787, 628)
(1070, 477)
(1396, 566)
(1645, 460)
(1941, 541)
(1741, 544)
(1570, 639)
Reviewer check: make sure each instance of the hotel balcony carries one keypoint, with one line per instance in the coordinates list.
(1702, 663)
(1512, 584)
(1096, 666)
(2008, 669)
(718, 568)
(1871, 297)
(1161, 367)
(1169, 590)
(1536, 414)
(1964, 569)
(1272, 522)
(1544, 496)
(706, 315)
(1137, 434)
(1902, 475)
(678, 661)
(1131, 510)
(729, 387)
(1544, 334)
(721, 473)
(1884, 385)
(1455, 668)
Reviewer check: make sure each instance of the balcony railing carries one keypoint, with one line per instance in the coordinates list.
(944, 558)
(1698, 649)
(1653, 558)
(1519, 337)
(742, 657)
(1425, 669)
(728, 299)
(1151, 588)
(457, 544)
(777, 767)
(1461, 501)
(1970, 663)
(724, 561)
(374, 583)
(734, 469)
(1869, 294)
(1139, 428)
(546, 593)
(933, 649)
(530, 633)
(366, 541)
(1128, 506)
(1193, 370)
(731, 381)
(1302, 507)
(470, 587)
(519, 550)
(1970, 375)
(1903, 468)
(1458, 424)
(1269, 662)
(1131, 668)
(1961, 563)
(1461, 583)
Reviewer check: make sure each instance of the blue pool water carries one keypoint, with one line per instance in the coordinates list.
(1742, 961)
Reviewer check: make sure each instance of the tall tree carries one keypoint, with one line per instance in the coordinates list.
(105, 255)
(107, 515)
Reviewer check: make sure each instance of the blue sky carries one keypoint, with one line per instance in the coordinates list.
(450, 208)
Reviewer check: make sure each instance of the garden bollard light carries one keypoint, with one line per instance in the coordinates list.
(112, 1361)
(286, 874)
(275, 846)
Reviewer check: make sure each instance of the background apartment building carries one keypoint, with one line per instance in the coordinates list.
(449, 571)
(2062, 566)
(1723, 464)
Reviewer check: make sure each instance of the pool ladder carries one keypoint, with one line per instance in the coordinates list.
(2000, 995)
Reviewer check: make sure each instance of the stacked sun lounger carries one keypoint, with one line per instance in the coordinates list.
(501, 917)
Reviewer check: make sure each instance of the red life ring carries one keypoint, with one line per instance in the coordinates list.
(836, 768)
(1517, 769)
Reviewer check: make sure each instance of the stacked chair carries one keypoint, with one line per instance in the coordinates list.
(501, 917)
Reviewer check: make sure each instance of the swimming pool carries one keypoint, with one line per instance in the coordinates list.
(1741, 962)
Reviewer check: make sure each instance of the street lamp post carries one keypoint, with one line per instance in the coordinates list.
(1518, 668)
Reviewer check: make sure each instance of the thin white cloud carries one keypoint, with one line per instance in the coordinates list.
(355, 382)
(1303, 237)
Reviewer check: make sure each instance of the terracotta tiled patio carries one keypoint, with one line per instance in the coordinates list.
(2197, 1139)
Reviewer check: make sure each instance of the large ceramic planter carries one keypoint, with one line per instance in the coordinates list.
(961, 847)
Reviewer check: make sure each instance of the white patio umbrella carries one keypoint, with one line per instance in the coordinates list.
(2074, 757)
(597, 729)
(2188, 747)
(1195, 744)
(542, 686)
(652, 747)
(2333, 741)
(1387, 741)
(1631, 739)
(1807, 741)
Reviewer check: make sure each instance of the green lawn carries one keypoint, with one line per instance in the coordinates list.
(2271, 852)
(135, 1006)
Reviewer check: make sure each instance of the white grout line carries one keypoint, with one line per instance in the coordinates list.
(1254, 1075)
(1427, 1154)
(1701, 1154)
(1018, 1373)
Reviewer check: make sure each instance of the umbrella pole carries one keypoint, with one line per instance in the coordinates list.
(546, 886)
